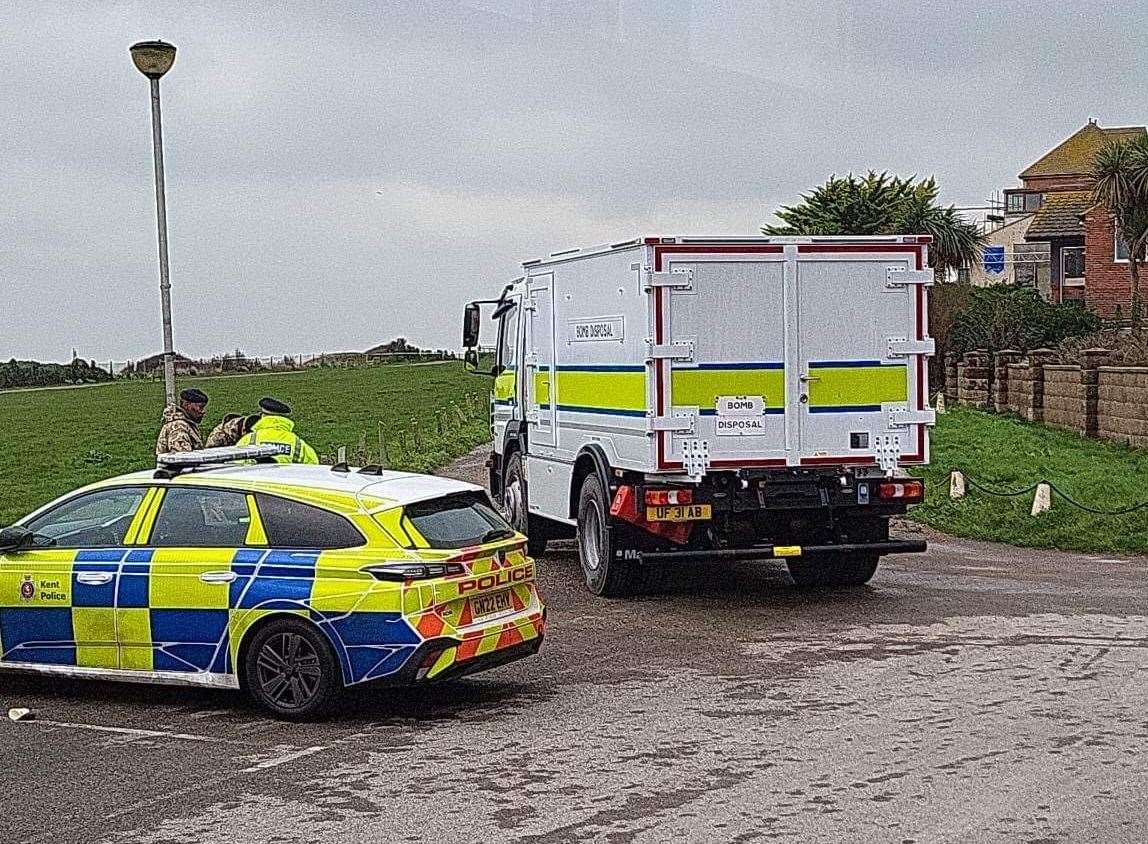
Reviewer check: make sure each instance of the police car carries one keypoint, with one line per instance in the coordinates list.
(291, 582)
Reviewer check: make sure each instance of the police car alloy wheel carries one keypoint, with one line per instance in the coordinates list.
(290, 671)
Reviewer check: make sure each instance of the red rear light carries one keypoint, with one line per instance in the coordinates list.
(667, 497)
(901, 490)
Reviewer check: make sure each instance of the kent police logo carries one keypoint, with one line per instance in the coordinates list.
(27, 588)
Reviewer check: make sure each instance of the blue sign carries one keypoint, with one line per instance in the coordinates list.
(994, 259)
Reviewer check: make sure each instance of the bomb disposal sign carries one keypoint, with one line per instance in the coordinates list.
(740, 416)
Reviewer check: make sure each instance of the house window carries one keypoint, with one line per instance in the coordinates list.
(1120, 253)
(1072, 264)
(1018, 203)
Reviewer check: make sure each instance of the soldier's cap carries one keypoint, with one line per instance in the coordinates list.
(228, 417)
(194, 396)
(249, 422)
(274, 407)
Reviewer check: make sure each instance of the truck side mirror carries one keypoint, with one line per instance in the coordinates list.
(470, 360)
(15, 538)
(471, 318)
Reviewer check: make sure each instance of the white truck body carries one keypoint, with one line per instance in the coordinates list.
(680, 356)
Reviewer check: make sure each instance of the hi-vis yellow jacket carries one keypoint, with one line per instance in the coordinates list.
(280, 429)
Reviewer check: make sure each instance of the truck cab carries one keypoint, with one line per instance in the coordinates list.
(699, 398)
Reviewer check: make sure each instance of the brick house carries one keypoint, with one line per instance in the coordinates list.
(1085, 261)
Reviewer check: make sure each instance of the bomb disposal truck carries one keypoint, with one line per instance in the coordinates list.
(684, 398)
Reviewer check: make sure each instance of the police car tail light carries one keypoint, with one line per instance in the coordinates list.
(901, 490)
(398, 572)
(668, 497)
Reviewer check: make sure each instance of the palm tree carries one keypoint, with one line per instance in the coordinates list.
(1121, 172)
(882, 204)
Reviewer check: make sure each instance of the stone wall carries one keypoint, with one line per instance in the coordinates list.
(1063, 398)
(1109, 402)
(1122, 405)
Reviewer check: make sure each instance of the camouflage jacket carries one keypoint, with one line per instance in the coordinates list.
(179, 433)
(226, 433)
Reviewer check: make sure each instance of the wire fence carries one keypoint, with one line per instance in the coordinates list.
(419, 443)
(246, 364)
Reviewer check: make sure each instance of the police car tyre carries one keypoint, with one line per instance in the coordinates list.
(836, 570)
(290, 670)
(515, 504)
(607, 574)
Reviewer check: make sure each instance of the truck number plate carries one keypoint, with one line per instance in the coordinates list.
(679, 513)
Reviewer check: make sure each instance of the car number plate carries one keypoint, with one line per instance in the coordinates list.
(679, 513)
(484, 605)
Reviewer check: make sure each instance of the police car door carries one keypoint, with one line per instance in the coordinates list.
(196, 554)
(57, 599)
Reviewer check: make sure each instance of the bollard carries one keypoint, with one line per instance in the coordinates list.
(956, 485)
(940, 408)
(341, 454)
(1042, 501)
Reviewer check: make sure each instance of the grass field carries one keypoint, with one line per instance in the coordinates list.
(55, 440)
(1008, 454)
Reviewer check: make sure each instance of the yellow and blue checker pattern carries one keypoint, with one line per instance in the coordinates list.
(150, 610)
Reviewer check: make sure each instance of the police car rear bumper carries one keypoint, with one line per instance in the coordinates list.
(415, 668)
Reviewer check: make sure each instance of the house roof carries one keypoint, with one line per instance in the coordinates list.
(1074, 156)
(1059, 215)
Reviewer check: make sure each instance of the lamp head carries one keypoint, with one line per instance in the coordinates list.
(153, 58)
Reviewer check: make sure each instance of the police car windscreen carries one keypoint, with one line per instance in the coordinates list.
(457, 521)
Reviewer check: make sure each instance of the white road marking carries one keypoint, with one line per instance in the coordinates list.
(283, 759)
(130, 731)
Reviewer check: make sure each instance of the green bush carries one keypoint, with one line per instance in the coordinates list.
(1006, 317)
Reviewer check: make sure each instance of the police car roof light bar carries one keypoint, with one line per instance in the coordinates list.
(170, 465)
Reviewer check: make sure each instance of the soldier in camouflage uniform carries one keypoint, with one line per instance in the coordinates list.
(230, 430)
(180, 431)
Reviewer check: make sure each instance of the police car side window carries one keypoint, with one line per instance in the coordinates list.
(290, 524)
(201, 518)
(96, 520)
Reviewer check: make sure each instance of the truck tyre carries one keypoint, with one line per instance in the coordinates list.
(515, 506)
(837, 570)
(607, 575)
(290, 670)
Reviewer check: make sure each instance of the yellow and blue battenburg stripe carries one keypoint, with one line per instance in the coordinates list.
(835, 386)
(856, 386)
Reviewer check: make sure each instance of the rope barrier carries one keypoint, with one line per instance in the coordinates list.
(1028, 490)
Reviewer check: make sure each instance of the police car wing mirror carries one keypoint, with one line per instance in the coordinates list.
(16, 538)
(471, 320)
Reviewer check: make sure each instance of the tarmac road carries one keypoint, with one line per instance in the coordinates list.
(976, 693)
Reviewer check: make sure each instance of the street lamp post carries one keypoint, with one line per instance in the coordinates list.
(153, 59)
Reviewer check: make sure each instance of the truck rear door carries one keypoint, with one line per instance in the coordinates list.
(859, 361)
(728, 325)
(789, 354)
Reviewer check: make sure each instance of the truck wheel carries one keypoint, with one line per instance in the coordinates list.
(514, 505)
(290, 670)
(606, 574)
(833, 570)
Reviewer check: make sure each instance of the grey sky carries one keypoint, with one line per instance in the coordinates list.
(341, 173)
